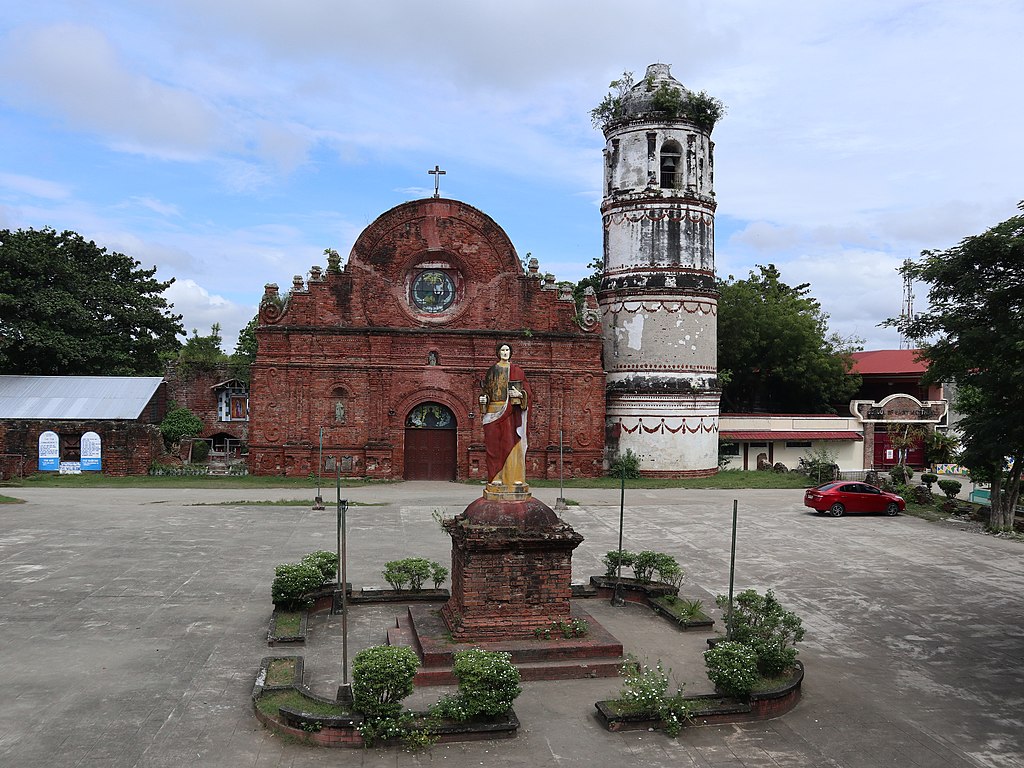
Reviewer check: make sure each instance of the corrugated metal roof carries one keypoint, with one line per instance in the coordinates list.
(737, 434)
(75, 397)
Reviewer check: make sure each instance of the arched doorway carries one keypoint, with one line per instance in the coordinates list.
(430, 443)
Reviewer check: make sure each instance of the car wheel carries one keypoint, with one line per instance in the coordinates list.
(837, 510)
(893, 509)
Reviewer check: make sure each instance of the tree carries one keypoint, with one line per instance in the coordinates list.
(67, 307)
(245, 351)
(775, 352)
(202, 353)
(973, 334)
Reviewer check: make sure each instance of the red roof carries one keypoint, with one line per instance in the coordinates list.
(889, 361)
(802, 435)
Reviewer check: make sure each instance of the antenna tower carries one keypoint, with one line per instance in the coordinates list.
(907, 313)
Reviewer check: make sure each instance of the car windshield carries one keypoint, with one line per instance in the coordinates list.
(827, 486)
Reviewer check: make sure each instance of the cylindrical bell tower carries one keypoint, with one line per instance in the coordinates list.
(658, 300)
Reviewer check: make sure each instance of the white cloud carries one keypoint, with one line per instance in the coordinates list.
(34, 187)
(74, 72)
(201, 309)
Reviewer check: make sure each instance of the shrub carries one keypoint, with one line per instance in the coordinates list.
(763, 625)
(666, 567)
(179, 423)
(614, 559)
(625, 465)
(928, 479)
(324, 561)
(901, 474)
(645, 689)
(382, 676)
(292, 582)
(200, 450)
(438, 573)
(488, 685)
(819, 465)
(644, 564)
(732, 667)
(413, 571)
(950, 487)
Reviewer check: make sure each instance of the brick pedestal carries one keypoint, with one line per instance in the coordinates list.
(511, 570)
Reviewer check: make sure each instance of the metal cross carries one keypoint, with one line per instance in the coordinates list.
(437, 173)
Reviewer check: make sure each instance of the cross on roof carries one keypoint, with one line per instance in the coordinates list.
(437, 173)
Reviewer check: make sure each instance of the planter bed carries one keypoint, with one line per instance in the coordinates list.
(632, 590)
(699, 620)
(318, 721)
(299, 637)
(712, 708)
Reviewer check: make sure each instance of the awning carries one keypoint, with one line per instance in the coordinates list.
(763, 437)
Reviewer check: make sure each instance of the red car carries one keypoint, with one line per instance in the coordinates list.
(842, 496)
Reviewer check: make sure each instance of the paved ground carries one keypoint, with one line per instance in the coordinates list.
(133, 623)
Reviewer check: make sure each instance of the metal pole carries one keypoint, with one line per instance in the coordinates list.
(560, 501)
(617, 595)
(318, 503)
(732, 571)
(344, 690)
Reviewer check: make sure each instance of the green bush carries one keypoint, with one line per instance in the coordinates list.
(326, 562)
(732, 667)
(200, 450)
(413, 571)
(668, 569)
(901, 474)
(950, 487)
(644, 564)
(645, 690)
(763, 625)
(382, 677)
(625, 465)
(438, 573)
(612, 560)
(819, 465)
(488, 685)
(292, 582)
(179, 423)
(929, 479)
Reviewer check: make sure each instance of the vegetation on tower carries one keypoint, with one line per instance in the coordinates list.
(662, 100)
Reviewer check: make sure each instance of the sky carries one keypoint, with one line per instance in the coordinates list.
(229, 143)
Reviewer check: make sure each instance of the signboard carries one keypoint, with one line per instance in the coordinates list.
(91, 452)
(49, 452)
(70, 468)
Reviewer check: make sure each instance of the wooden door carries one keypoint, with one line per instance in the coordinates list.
(430, 454)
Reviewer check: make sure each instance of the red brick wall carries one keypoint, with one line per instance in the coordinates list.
(129, 447)
(354, 332)
(193, 389)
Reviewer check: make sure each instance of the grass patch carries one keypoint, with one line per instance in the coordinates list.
(729, 479)
(286, 624)
(270, 702)
(930, 512)
(10, 500)
(681, 608)
(282, 671)
(773, 683)
(285, 503)
(98, 480)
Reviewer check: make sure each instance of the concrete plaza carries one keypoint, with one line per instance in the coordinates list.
(133, 622)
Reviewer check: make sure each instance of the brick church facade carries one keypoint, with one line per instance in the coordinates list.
(385, 356)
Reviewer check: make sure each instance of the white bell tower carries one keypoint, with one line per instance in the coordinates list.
(659, 303)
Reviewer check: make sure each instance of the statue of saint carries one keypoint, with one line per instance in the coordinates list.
(505, 403)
